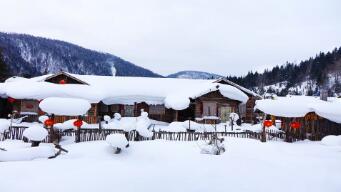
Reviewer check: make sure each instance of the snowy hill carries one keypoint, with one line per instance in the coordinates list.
(31, 56)
(305, 78)
(194, 75)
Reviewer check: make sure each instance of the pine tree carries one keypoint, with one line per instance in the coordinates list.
(3, 68)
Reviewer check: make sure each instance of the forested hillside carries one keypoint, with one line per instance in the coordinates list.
(307, 77)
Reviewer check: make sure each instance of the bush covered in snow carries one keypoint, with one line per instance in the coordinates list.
(4, 125)
(142, 125)
(35, 132)
(117, 141)
(107, 118)
(117, 116)
(331, 140)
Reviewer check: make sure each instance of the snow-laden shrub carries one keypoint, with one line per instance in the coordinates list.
(331, 140)
(4, 125)
(107, 118)
(35, 133)
(117, 116)
(43, 118)
(234, 117)
(117, 141)
(142, 124)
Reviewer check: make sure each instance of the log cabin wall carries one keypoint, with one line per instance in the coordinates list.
(313, 127)
(250, 115)
(219, 99)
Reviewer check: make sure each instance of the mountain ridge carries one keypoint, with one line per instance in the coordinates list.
(31, 55)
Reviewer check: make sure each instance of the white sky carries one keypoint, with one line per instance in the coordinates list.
(224, 37)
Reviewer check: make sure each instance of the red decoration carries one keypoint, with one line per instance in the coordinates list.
(295, 125)
(78, 123)
(48, 122)
(63, 81)
(267, 123)
(11, 100)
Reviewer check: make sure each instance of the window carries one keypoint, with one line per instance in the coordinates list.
(209, 108)
(129, 110)
(157, 109)
(29, 107)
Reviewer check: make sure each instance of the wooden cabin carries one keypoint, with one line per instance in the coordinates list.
(246, 111)
(303, 117)
(212, 104)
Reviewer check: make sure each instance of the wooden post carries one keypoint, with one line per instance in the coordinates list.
(176, 115)
(52, 134)
(263, 138)
(78, 132)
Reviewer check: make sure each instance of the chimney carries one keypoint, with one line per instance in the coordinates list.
(323, 93)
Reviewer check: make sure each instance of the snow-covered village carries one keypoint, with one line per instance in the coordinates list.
(172, 96)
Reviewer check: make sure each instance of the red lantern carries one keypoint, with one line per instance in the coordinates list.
(295, 125)
(63, 81)
(48, 122)
(267, 123)
(78, 123)
(11, 100)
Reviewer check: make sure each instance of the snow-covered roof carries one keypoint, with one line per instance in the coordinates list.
(248, 91)
(299, 106)
(174, 93)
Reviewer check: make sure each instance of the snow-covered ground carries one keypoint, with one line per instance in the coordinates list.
(247, 165)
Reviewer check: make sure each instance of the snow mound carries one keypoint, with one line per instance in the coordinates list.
(331, 140)
(117, 140)
(69, 125)
(4, 125)
(35, 132)
(65, 106)
(27, 154)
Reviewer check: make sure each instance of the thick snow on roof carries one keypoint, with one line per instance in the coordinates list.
(174, 93)
(299, 106)
(65, 106)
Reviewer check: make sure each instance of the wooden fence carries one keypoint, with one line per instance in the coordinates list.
(100, 134)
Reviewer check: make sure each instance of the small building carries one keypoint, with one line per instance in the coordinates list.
(165, 99)
(316, 118)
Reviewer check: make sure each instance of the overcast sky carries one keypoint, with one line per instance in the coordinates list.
(166, 36)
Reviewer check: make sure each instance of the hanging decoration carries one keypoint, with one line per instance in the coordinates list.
(267, 123)
(78, 123)
(295, 125)
(62, 82)
(49, 122)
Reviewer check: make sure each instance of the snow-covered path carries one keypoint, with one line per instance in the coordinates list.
(248, 165)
